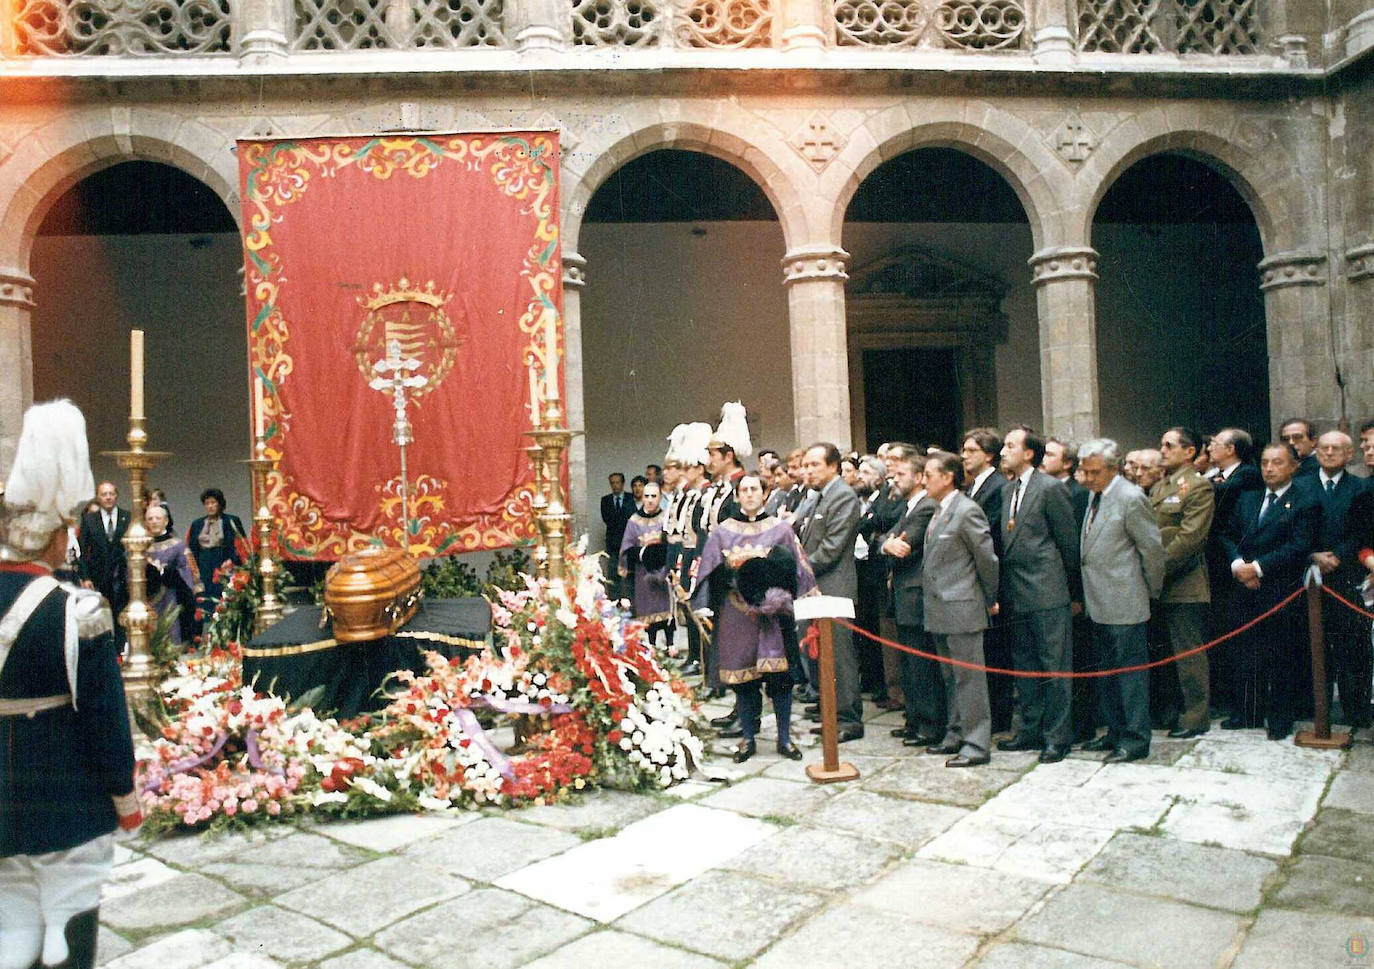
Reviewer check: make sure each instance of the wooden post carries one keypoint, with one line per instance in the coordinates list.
(821, 610)
(1320, 735)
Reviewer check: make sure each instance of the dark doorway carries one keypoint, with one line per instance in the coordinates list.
(911, 394)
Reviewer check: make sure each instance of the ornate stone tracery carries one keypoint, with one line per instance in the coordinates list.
(880, 23)
(1181, 26)
(127, 27)
(618, 23)
(981, 24)
(725, 24)
(397, 24)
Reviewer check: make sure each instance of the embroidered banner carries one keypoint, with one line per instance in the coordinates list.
(446, 246)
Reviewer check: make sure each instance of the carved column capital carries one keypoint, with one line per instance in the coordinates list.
(1298, 268)
(1360, 262)
(265, 28)
(574, 271)
(16, 288)
(815, 262)
(1063, 262)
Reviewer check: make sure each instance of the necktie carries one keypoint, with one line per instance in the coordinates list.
(1092, 507)
(1016, 498)
(109, 527)
(1330, 485)
(1268, 503)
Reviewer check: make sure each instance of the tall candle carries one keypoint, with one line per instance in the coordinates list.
(551, 350)
(136, 374)
(534, 395)
(259, 412)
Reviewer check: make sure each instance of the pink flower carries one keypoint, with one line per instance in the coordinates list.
(273, 808)
(250, 805)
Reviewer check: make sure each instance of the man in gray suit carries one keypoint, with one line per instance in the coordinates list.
(827, 537)
(1039, 568)
(1123, 569)
(959, 592)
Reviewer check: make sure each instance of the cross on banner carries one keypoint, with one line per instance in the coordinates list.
(402, 380)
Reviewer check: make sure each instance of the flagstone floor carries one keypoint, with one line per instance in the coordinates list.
(1227, 851)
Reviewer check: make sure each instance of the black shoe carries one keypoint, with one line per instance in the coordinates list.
(902, 732)
(812, 711)
(726, 721)
(962, 761)
(848, 732)
(1053, 755)
(920, 741)
(1280, 732)
(1019, 743)
(691, 669)
(732, 731)
(1233, 723)
(945, 749)
(1122, 756)
(789, 751)
(745, 750)
(1099, 745)
(1186, 733)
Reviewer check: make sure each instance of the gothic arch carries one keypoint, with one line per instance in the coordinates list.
(732, 146)
(54, 158)
(1002, 141)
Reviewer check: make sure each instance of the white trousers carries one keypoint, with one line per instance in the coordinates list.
(40, 893)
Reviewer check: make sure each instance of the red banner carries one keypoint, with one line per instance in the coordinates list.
(444, 247)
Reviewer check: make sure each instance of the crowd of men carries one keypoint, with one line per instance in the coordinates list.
(1034, 555)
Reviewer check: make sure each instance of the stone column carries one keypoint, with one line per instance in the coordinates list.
(1359, 334)
(538, 24)
(1297, 314)
(1052, 40)
(805, 25)
(1064, 279)
(815, 277)
(265, 29)
(16, 357)
(574, 278)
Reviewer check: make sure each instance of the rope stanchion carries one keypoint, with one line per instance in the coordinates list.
(1320, 735)
(1346, 602)
(1086, 674)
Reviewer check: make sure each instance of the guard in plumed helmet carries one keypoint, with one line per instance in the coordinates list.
(66, 754)
(686, 459)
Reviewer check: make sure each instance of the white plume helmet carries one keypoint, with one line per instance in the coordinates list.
(676, 440)
(733, 431)
(50, 480)
(696, 437)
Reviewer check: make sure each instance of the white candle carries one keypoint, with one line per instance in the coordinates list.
(259, 412)
(551, 349)
(136, 374)
(534, 395)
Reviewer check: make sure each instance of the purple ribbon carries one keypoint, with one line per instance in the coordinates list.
(472, 729)
(250, 741)
(187, 764)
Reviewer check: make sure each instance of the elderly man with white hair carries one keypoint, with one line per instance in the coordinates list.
(1123, 569)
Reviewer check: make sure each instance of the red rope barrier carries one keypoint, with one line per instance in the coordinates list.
(1346, 602)
(811, 642)
(1090, 674)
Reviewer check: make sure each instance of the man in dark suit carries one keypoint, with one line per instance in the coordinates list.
(1302, 435)
(616, 511)
(1268, 539)
(959, 591)
(1347, 632)
(1039, 561)
(827, 538)
(1061, 463)
(102, 564)
(877, 515)
(904, 548)
(1230, 451)
(985, 484)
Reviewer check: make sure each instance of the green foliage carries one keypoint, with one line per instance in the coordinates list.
(453, 578)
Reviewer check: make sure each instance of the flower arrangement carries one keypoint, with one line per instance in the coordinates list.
(232, 753)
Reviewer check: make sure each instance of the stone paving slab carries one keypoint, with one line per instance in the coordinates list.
(1352, 792)
(180, 901)
(723, 914)
(928, 779)
(486, 929)
(1317, 883)
(244, 960)
(604, 950)
(606, 878)
(1106, 808)
(1360, 758)
(1340, 834)
(1302, 940)
(302, 850)
(392, 832)
(1043, 850)
(109, 945)
(1200, 874)
(358, 901)
(191, 850)
(953, 896)
(597, 810)
(281, 934)
(1266, 759)
(1247, 812)
(767, 797)
(813, 858)
(264, 881)
(794, 770)
(1153, 932)
(1018, 955)
(908, 823)
(362, 959)
(857, 937)
(490, 848)
(189, 949)
(136, 875)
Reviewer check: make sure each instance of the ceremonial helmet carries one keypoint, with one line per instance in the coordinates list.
(687, 444)
(50, 481)
(733, 431)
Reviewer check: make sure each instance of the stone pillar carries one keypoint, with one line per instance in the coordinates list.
(538, 24)
(16, 357)
(1297, 314)
(574, 278)
(1359, 334)
(815, 277)
(805, 25)
(1064, 279)
(1052, 39)
(265, 29)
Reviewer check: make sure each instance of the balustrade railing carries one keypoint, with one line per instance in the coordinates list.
(174, 27)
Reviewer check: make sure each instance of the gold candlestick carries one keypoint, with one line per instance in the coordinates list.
(138, 620)
(539, 505)
(553, 439)
(270, 608)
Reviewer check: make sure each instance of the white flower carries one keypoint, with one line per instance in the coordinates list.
(369, 786)
(328, 797)
(433, 803)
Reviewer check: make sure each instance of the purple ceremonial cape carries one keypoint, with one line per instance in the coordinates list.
(749, 643)
(650, 588)
(174, 553)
